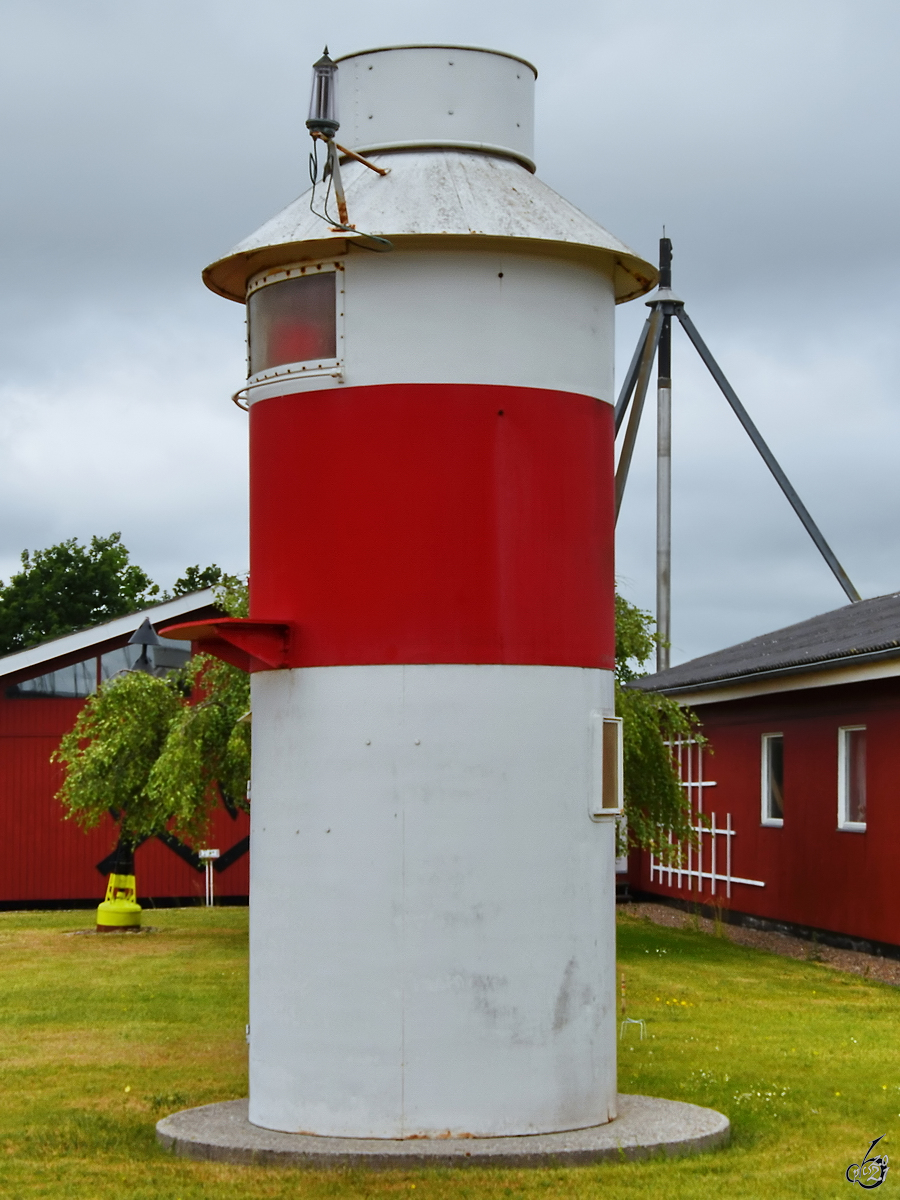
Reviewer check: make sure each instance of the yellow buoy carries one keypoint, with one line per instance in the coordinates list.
(120, 910)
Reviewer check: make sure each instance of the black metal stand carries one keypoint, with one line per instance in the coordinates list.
(656, 336)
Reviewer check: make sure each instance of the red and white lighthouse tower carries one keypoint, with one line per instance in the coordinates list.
(435, 762)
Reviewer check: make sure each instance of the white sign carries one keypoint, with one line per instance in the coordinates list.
(208, 854)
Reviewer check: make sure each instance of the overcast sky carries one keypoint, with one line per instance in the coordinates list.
(140, 142)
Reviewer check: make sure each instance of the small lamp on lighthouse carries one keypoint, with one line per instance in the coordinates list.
(323, 124)
(322, 103)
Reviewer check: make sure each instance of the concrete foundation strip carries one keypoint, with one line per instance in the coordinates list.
(645, 1127)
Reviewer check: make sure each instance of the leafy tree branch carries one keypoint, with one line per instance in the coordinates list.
(156, 750)
(68, 587)
(656, 805)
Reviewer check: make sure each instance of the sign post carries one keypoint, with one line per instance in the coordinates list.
(208, 856)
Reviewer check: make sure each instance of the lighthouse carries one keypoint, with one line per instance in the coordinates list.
(436, 759)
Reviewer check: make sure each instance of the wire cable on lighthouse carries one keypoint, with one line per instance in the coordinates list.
(323, 124)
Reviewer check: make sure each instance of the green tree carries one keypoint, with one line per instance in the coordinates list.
(655, 802)
(195, 579)
(156, 750)
(68, 587)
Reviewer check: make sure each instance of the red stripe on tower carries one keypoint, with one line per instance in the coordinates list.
(435, 523)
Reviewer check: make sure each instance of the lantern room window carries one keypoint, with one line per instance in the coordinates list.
(292, 318)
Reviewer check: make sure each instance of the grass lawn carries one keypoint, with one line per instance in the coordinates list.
(100, 1036)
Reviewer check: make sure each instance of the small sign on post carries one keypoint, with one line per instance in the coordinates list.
(208, 856)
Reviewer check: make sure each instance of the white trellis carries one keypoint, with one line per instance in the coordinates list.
(691, 865)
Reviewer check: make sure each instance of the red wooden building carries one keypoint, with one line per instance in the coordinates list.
(47, 862)
(800, 779)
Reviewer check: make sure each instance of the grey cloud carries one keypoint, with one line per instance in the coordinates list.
(140, 142)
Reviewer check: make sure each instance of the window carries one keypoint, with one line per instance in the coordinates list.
(68, 683)
(79, 680)
(773, 779)
(293, 320)
(169, 655)
(852, 778)
(608, 777)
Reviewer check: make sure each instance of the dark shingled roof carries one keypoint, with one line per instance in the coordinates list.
(869, 629)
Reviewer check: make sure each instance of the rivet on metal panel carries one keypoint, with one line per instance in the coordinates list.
(418, 741)
(368, 741)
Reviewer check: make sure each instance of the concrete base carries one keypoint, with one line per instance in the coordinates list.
(645, 1126)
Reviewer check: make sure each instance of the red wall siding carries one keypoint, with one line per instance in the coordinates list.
(815, 874)
(435, 523)
(44, 858)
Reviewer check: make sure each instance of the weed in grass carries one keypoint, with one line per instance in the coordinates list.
(813, 953)
(168, 1103)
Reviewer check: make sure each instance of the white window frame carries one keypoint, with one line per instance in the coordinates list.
(605, 735)
(766, 817)
(843, 824)
(312, 367)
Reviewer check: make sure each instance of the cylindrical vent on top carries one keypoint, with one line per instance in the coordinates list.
(420, 96)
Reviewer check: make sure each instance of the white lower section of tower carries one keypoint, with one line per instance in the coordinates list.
(432, 939)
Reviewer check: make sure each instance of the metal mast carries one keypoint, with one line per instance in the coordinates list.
(664, 463)
(657, 333)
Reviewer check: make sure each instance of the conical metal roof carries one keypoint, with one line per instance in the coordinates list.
(435, 199)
